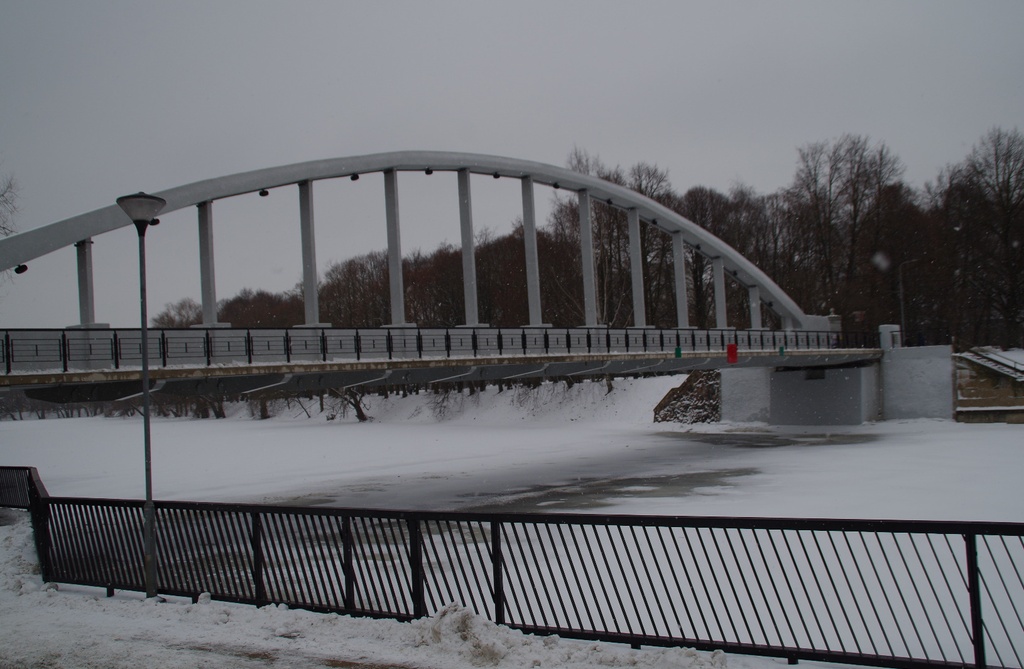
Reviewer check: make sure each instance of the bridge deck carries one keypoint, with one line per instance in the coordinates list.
(83, 365)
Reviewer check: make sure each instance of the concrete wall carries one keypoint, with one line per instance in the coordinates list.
(908, 383)
(746, 393)
(823, 396)
(801, 397)
(871, 393)
(917, 382)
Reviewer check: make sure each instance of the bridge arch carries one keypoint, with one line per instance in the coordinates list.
(726, 261)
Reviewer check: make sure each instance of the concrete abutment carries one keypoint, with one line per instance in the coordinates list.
(906, 383)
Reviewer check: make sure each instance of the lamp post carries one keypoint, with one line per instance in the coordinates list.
(903, 319)
(142, 209)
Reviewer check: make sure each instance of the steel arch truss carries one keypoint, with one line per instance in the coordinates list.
(79, 230)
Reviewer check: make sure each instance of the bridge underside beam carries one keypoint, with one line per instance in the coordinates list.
(264, 380)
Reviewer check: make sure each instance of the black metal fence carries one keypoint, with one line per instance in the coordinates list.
(885, 593)
(74, 349)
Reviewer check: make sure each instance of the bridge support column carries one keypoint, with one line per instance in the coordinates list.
(679, 267)
(636, 268)
(532, 261)
(310, 299)
(721, 314)
(587, 261)
(208, 286)
(86, 295)
(394, 249)
(754, 295)
(468, 250)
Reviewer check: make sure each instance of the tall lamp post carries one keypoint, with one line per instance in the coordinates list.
(142, 209)
(903, 318)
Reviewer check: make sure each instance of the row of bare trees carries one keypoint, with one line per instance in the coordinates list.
(848, 236)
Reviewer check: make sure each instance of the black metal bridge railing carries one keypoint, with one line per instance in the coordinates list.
(75, 349)
(884, 593)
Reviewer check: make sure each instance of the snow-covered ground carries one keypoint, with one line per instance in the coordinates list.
(556, 449)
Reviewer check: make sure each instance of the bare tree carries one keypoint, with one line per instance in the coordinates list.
(835, 195)
(982, 202)
(184, 313)
(710, 210)
(8, 205)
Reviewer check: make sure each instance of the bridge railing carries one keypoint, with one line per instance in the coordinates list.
(26, 350)
(881, 593)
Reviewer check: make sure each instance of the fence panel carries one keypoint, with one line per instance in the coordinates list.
(14, 487)
(1000, 562)
(382, 568)
(96, 542)
(205, 550)
(303, 560)
(459, 562)
(904, 594)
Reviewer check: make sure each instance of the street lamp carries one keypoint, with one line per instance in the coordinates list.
(142, 209)
(903, 319)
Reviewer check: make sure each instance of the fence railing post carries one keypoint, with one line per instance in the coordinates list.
(974, 595)
(258, 560)
(347, 541)
(39, 511)
(419, 602)
(115, 350)
(498, 576)
(7, 351)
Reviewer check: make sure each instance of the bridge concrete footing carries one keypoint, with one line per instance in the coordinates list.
(801, 396)
(906, 383)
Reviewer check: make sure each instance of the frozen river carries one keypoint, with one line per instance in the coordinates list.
(583, 449)
(659, 464)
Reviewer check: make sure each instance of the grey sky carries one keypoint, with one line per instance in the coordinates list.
(99, 99)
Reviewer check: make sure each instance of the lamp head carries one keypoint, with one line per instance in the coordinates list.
(141, 206)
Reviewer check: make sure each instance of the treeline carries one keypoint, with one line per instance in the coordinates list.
(847, 236)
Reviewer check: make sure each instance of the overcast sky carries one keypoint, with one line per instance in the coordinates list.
(99, 99)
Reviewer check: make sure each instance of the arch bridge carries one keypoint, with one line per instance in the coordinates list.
(726, 262)
(92, 355)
